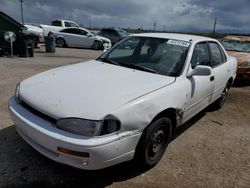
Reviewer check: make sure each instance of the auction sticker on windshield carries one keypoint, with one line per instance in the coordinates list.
(178, 43)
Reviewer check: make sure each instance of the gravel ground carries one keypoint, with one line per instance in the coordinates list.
(212, 150)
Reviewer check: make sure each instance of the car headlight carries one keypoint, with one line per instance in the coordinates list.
(17, 93)
(40, 34)
(80, 126)
(110, 126)
(245, 64)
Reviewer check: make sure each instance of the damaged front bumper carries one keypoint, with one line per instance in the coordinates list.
(67, 148)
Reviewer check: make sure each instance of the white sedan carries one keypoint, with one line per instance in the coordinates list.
(125, 104)
(80, 37)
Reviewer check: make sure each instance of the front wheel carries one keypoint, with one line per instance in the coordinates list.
(97, 45)
(153, 142)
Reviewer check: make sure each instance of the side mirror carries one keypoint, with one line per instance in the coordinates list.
(89, 35)
(200, 70)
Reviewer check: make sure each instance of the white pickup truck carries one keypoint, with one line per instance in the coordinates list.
(57, 25)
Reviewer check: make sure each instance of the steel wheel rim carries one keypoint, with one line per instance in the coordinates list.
(60, 42)
(224, 96)
(157, 142)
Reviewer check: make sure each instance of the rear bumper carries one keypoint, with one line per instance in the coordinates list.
(41, 39)
(44, 137)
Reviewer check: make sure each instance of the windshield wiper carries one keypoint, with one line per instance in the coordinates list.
(106, 60)
(138, 67)
(134, 66)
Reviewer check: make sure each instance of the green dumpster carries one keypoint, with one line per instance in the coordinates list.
(24, 44)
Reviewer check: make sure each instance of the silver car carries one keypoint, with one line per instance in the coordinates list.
(80, 37)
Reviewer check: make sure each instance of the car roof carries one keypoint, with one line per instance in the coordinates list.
(62, 20)
(184, 37)
(74, 28)
(238, 38)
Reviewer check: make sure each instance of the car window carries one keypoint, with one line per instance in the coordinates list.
(66, 31)
(56, 23)
(215, 54)
(236, 45)
(125, 49)
(122, 33)
(200, 55)
(156, 55)
(67, 24)
(105, 31)
(114, 33)
(72, 31)
(224, 57)
(72, 24)
(83, 32)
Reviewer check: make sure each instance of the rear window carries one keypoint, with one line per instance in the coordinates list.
(56, 23)
(70, 24)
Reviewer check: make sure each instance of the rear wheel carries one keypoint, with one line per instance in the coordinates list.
(221, 101)
(60, 42)
(153, 142)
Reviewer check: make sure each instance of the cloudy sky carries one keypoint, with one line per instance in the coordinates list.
(173, 15)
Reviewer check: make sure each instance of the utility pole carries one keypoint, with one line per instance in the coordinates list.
(215, 22)
(89, 24)
(21, 1)
(154, 25)
(164, 28)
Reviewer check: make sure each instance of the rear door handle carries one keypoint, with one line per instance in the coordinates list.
(212, 78)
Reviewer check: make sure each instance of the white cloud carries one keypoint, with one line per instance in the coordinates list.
(179, 15)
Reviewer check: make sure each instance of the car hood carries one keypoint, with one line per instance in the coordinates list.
(102, 38)
(88, 90)
(240, 56)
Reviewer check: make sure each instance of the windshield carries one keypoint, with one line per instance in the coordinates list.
(234, 45)
(156, 55)
(122, 33)
(93, 33)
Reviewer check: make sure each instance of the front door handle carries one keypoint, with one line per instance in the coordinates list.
(212, 78)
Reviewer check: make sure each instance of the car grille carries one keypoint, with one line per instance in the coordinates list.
(37, 113)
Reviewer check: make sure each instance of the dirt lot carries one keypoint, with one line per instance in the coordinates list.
(212, 150)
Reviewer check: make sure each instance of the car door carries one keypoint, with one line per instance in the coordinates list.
(85, 39)
(220, 67)
(71, 36)
(199, 88)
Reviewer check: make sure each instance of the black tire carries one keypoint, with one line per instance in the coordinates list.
(97, 45)
(60, 42)
(153, 142)
(221, 101)
(36, 40)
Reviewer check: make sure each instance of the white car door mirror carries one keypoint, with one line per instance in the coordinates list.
(89, 35)
(200, 70)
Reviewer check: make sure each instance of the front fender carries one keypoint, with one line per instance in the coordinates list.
(138, 114)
